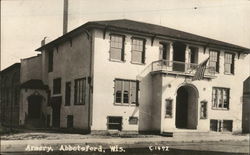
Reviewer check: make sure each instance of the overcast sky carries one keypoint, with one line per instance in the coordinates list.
(24, 23)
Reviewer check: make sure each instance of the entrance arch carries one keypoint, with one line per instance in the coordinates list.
(34, 106)
(187, 107)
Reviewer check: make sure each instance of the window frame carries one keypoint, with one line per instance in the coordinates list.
(217, 62)
(50, 60)
(168, 102)
(205, 111)
(220, 125)
(122, 48)
(55, 91)
(129, 94)
(143, 52)
(217, 104)
(67, 96)
(232, 64)
(109, 122)
(84, 91)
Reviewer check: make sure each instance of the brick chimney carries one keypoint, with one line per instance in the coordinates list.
(65, 16)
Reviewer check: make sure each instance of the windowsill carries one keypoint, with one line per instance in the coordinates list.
(203, 118)
(115, 60)
(122, 104)
(168, 117)
(55, 95)
(79, 104)
(224, 109)
(137, 63)
(229, 74)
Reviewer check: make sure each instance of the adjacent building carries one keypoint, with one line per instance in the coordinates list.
(10, 94)
(246, 106)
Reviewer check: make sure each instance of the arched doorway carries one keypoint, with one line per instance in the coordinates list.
(186, 107)
(34, 111)
(34, 106)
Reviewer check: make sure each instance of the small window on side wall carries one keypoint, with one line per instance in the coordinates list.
(169, 108)
(203, 110)
(133, 120)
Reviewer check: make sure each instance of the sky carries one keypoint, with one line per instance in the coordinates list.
(24, 23)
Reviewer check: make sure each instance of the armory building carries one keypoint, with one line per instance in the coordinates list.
(131, 76)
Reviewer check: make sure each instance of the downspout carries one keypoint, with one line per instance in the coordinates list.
(90, 83)
(90, 78)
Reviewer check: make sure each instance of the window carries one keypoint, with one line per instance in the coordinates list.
(57, 86)
(169, 108)
(138, 51)
(203, 110)
(80, 91)
(133, 120)
(229, 63)
(126, 92)
(114, 123)
(221, 125)
(117, 47)
(214, 61)
(50, 60)
(67, 93)
(220, 98)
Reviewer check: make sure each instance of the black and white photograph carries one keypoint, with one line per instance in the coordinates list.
(125, 77)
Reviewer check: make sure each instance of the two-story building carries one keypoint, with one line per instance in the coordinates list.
(132, 76)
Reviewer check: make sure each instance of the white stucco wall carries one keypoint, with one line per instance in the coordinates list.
(70, 63)
(105, 71)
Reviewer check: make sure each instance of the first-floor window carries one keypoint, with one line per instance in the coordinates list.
(126, 92)
(80, 91)
(67, 93)
(133, 120)
(169, 108)
(114, 123)
(221, 125)
(220, 98)
(203, 110)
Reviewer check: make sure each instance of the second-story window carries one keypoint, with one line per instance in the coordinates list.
(57, 86)
(117, 47)
(80, 91)
(138, 51)
(220, 98)
(126, 92)
(214, 61)
(229, 63)
(50, 60)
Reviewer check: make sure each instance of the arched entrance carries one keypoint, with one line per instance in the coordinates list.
(186, 107)
(34, 106)
(34, 119)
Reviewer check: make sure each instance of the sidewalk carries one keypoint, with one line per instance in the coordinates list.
(223, 143)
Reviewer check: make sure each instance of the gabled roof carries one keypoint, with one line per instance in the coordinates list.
(13, 66)
(147, 29)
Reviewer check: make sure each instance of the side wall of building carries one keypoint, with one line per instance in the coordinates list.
(71, 61)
